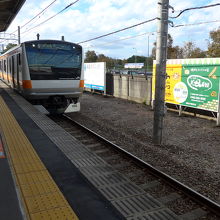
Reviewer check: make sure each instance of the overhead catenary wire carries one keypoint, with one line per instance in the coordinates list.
(195, 8)
(42, 11)
(139, 35)
(187, 9)
(52, 16)
(7, 39)
(127, 38)
(95, 38)
(198, 23)
(122, 39)
(120, 30)
(36, 15)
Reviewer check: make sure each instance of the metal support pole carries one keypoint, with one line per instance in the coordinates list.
(218, 113)
(161, 56)
(147, 51)
(218, 119)
(180, 110)
(19, 35)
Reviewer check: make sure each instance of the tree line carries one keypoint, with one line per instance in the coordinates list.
(112, 63)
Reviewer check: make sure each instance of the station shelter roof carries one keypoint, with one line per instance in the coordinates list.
(8, 11)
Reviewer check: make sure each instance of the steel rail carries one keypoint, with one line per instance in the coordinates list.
(196, 196)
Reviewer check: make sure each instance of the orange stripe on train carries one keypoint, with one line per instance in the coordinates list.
(27, 84)
(81, 83)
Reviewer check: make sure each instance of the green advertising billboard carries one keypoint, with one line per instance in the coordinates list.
(202, 83)
(192, 83)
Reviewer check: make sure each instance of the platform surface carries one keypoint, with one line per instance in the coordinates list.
(54, 176)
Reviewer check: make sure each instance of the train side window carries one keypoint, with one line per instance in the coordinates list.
(4, 65)
(10, 65)
(17, 64)
(19, 59)
(7, 73)
(0, 69)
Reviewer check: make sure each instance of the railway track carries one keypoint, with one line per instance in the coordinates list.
(182, 200)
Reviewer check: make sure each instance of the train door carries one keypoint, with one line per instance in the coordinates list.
(7, 70)
(4, 69)
(18, 66)
(16, 80)
(17, 72)
(0, 69)
(13, 71)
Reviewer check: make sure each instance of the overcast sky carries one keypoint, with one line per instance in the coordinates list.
(90, 18)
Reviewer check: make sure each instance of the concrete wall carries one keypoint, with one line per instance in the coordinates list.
(136, 88)
(131, 87)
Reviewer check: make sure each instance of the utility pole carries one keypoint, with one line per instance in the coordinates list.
(19, 35)
(161, 56)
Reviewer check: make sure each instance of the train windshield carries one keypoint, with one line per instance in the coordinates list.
(53, 61)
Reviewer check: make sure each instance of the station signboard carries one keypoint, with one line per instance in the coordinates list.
(192, 83)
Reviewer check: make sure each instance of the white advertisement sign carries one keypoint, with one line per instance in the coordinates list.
(134, 65)
(94, 75)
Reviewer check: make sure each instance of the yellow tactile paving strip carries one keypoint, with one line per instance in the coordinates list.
(41, 197)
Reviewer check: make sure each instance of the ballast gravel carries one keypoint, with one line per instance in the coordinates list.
(190, 151)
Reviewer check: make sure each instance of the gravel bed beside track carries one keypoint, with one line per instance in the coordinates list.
(191, 146)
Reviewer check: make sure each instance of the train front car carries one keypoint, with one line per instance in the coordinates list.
(55, 75)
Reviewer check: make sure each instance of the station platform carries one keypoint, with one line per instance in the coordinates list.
(45, 173)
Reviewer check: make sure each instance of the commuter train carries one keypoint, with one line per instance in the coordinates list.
(46, 72)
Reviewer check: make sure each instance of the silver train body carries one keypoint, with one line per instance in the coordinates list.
(46, 72)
